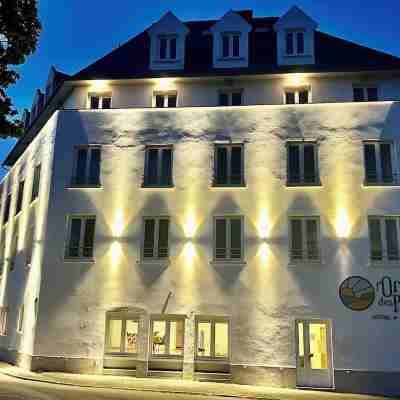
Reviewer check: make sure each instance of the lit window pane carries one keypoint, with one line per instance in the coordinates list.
(159, 330)
(114, 334)
(176, 337)
(318, 346)
(204, 339)
(300, 331)
(221, 339)
(132, 328)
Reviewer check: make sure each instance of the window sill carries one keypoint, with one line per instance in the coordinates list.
(217, 360)
(167, 61)
(125, 355)
(296, 55)
(385, 264)
(381, 185)
(159, 357)
(85, 260)
(18, 214)
(158, 187)
(304, 263)
(231, 59)
(83, 186)
(155, 262)
(303, 185)
(221, 263)
(33, 202)
(228, 187)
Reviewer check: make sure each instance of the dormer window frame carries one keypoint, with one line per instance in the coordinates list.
(168, 38)
(298, 48)
(232, 48)
(297, 92)
(104, 100)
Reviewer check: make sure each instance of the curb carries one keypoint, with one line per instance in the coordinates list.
(194, 393)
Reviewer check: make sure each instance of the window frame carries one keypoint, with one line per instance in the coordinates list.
(89, 149)
(297, 91)
(165, 94)
(364, 88)
(80, 256)
(168, 318)
(3, 259)
(13, 252)
(35, 191)
(155, 258)
(230, 93)
(305, 259)
(29, 247)
(229, 259)
(393, 159)
(3, 320)
(213, 320)
(159, 149)
(301, 144)
(168, 38)
(19, 205)
(230, 36)
(101, 96)
(383, 238)
(123, 316)
(295, 43)
(229, 183)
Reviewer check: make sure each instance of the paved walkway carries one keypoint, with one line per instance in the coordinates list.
(177, 386)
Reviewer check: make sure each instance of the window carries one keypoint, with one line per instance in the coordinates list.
(297, 96)
(14, 248)
(158, 167)
(20, 323)
(167, 47)
(29, 245)
(379, 163)
(302, 164)
(20, 197)
(122, 333)
(230, 45)
(99, 101)
(295, 43)
(304, 239)
(7, 208)
(384, 239)
(81, 232)
(165, 99)
(36, 182)
(229, 165)
(156, 238)
(230, 98)
(361, 93)
(228, 240)
(87, 166)
(167, 336)
(212, 338)
(2, 252)
(3, 321)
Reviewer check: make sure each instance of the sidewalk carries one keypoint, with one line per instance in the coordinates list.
(177, 386)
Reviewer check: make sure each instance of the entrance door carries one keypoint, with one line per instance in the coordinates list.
(314, 354)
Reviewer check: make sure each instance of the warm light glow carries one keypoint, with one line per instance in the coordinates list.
(115, 254)
(99, 86)
(296, 80)
(263, 226)
(190, 225)
(164, 83)
(189, 253)
(342, 224)
(263, 252)
(118, 226)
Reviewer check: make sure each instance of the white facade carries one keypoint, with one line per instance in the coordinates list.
(263, 297)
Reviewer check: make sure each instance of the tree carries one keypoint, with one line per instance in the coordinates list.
(19, 33)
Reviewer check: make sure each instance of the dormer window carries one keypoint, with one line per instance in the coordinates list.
(167, 48)
(97, 101)
(295, 43)
(230, 45)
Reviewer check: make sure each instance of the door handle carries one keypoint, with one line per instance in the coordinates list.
(310, 355)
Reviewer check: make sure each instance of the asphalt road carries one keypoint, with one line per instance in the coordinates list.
(18, 389)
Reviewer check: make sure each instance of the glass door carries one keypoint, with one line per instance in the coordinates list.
(314, 354)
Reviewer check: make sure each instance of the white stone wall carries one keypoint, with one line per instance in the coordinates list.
(22, 285)
(265, 296)
(255, 91)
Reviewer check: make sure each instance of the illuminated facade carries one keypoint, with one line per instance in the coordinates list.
(236, 225)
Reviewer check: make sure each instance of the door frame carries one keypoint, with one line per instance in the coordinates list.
(330, 350)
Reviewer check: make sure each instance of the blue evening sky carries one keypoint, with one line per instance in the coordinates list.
(77, 32)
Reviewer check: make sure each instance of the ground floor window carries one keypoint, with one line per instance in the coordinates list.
(212, 337)
(3, 321)
(121, 333)
(167, 336)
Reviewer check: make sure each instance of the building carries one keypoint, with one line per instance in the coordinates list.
(211, 200)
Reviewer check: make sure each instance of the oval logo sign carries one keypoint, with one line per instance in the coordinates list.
(357, 293)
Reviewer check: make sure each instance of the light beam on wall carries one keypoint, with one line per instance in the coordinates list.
(190, 225)
(164, 83)
(342, 224)
(263, 224)
(118, 225)
(99, 86)
(295, 80)
(189, 253)
(115, 253)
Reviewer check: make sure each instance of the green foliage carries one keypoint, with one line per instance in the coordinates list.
(19, 33)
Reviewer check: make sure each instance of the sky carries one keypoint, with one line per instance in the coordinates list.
(77, 32)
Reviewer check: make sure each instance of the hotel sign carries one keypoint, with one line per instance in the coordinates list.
(359, 294)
